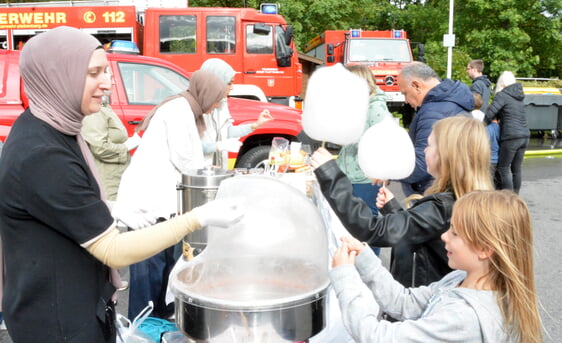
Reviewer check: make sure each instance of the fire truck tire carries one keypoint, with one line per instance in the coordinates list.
(253, 156)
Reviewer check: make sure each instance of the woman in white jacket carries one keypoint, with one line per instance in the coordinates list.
(170, 146)
(490, 298)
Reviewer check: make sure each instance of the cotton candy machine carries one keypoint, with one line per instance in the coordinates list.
(262, 280)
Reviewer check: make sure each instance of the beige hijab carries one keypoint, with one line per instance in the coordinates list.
(205, 90)
(54, 66)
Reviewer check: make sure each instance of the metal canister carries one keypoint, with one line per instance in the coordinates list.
(199, 187)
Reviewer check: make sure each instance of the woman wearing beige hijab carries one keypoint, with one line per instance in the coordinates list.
(59, 237)
(170, 147)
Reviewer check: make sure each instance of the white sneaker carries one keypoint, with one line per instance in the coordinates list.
(3, 326)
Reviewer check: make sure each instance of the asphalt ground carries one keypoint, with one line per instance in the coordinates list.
(542, 190)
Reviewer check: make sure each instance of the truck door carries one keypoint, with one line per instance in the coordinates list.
(269, 62)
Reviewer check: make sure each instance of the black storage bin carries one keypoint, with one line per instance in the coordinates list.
(543, 111)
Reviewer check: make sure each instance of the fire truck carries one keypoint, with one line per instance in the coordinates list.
(384, 52)
(259, 45)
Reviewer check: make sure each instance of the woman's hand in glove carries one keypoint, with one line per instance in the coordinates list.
(230, 145)
(221, 212)
(133, 142)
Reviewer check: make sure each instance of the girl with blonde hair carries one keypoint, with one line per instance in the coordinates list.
(458, 144)
(491, 297)
(458, 158)
(499, 222)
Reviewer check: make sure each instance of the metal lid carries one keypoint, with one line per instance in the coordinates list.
(206, 177)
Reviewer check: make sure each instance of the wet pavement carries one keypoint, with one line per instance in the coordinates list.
(544, 143)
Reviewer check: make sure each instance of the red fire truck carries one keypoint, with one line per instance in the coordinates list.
(384, 52)
(259, 46)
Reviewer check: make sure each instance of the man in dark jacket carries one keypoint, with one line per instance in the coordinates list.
(434, 99)
(480, 82)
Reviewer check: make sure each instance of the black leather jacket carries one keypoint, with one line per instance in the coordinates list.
(418, 254)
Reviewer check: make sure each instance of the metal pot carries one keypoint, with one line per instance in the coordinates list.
(198, 187)
(271, 308)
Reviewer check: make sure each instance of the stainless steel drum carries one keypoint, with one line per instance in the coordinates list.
(271, 308)
(199, 187)
(265, 278)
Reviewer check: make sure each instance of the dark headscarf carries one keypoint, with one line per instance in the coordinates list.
(54, 67)
(205, 90)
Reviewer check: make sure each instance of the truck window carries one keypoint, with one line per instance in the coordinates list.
(258, 42)
(221, 35)
(178, 34)
(379, 50)
(147, 84)
(3, 39)
(20, 37)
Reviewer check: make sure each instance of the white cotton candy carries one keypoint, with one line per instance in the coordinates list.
(336, 104)
(386, 152)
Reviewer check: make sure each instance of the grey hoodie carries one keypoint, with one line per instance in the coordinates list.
(440, 312)
(481, 85)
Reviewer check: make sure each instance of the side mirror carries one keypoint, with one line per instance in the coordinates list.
(262, 29)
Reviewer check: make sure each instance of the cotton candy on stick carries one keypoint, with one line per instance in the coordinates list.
(336, 104)
(386, 152)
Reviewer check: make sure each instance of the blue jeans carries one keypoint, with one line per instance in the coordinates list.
(368, 193)
(148, 280)
(510, 161)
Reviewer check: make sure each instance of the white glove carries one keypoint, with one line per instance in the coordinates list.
(133, 142)
(230, 145)
(221, 212)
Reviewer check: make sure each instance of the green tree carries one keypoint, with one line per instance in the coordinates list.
(518, 35)
(311, 18)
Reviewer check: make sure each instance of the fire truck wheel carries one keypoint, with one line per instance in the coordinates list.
(253, 156)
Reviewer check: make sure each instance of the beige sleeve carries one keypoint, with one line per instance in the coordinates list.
(118, 250)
